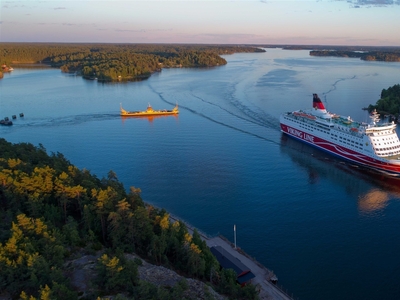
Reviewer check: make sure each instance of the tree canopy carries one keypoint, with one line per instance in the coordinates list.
(389, 103)
(50, 210)
(380, 55)
(118, 62)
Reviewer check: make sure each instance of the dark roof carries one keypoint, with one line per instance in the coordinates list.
(245, 277)
(228, 261)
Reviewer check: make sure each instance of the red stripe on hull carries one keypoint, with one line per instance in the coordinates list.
(341, 151)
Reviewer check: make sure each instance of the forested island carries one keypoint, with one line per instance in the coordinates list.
(130, 62)
(52, 213)
(368, 53)
(389, 103)
(118, 62)
(391, 56)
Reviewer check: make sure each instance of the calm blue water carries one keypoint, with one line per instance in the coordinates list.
(327, 229)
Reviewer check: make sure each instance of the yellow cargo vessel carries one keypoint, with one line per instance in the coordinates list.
(149, 112)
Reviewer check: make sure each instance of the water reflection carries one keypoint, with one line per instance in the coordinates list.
(373, 200)
(31, 66)
(373, 190)
(149, 118)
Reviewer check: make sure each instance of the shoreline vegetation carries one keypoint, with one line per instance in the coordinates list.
(134, 62)
(389, 103)
(367, 53)
(367, 56)
(55, 216)
(119, 62)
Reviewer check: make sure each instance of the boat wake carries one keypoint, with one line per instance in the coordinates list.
(218, 122)
(244, 114)
(252, 117)
(66, 120)
(334, 85)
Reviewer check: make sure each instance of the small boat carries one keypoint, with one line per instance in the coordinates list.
(6, 122)
(149, 112)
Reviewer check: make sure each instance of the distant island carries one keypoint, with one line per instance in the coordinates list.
(132, 62)
(393, 56)
(368, 53)
(118, 62)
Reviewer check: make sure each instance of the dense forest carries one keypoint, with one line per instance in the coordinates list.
(50, 211)
(389, 103)
(389, 56)
(112, 62)
(370, 53)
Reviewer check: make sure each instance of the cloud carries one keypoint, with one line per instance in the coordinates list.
(1, 22)
(129, 30)
(141, 30)
(358, 3)
(55, 8)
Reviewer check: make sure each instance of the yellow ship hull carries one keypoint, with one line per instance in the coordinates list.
(149, 112)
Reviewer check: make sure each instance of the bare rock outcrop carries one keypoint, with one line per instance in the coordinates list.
(82, 272)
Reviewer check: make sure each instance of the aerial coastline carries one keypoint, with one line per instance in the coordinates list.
(132, 91)
(132, 62)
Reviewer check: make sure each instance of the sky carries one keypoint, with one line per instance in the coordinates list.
(306, 22)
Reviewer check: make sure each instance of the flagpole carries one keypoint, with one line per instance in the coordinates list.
(234, 233)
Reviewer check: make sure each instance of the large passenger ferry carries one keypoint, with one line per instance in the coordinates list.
(373, 145)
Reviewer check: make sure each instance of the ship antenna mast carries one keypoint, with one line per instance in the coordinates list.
(374, 117)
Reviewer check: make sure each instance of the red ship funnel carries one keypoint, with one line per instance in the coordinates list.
(317, 103)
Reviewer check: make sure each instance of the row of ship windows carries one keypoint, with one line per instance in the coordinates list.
(344, 142)
(393, 147)
(386, 139)
(389, 148)
(376, 142)
(347, 140)
(310, 128)
(388, 153)
(381, 133)
(357, 145)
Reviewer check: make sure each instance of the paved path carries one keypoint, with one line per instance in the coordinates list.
(267, 289)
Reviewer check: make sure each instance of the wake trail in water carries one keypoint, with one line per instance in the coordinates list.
(334, 85)
(271, 125)
(264, 119)
(219, 122)
(65, 120)
(254, 121)
(253, 117)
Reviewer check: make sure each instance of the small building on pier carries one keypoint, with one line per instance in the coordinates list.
(228, 261)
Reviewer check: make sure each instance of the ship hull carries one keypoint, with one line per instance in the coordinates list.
(145, 114)
(363, 160)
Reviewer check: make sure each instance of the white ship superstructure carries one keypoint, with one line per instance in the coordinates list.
(374, 145)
